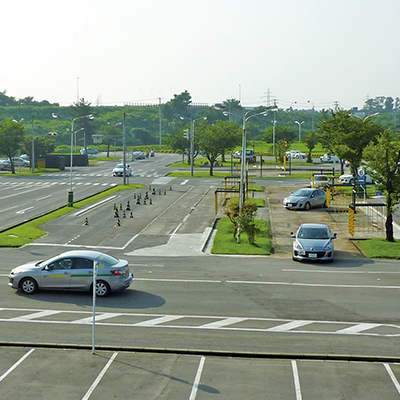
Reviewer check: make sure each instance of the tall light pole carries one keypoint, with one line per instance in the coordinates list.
(124, 149)
(242, 186)
(313, 114)
(159, 120)
(33, 148)
(273, 137)
(192, 144)
(299, 124)
(71, 193)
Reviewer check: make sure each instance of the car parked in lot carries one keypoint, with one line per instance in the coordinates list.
(329, 158)
(304, 199)
(18, 162)
(296, 154)
(119, 170)
(73, 270)
(89, 151)
(319, 181)
(350, 179)
(250, 156)
(313, 242)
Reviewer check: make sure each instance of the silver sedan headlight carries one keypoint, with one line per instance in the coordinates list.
(297, 245)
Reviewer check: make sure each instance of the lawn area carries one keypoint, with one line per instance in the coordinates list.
(225, 243)
(30, 231)
(380, 248)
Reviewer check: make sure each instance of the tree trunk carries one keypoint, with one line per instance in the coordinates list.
(389, 220)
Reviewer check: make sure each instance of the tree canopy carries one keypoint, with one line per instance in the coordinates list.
(347, 136)
(383, 159)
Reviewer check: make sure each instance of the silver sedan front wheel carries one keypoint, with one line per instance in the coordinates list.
(28, 286)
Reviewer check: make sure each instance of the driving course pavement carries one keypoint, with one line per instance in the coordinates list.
(180, 222)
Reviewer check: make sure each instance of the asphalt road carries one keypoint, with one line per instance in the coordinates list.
(286, 327)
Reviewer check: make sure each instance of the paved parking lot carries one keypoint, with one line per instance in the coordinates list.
(78, 374)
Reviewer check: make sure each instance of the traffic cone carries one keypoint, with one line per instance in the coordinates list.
(116, 215)
(124, 215)
(150, 202)
(118, 223)
(86, 222)
(128, 206)
(131, 215)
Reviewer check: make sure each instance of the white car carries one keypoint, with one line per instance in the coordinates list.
(295, 154)
(329, 158)
(350, 179)
(119, 170)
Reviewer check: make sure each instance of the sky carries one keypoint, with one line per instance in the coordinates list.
(299, 53)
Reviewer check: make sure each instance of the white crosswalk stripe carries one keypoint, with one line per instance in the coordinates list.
(251, 324)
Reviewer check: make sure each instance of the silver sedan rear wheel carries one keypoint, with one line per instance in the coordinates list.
(102, 289)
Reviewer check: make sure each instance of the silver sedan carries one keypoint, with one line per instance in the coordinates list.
(313, 242)
(73, 270)
(304, 199)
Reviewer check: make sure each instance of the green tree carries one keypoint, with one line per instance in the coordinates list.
(347, 136)
(178, 106)
(244, 219)
(311, 141)
(214, 140)
(177, 141)
(43, 145)
(383, 158)
(82, 109)
(11, 138)
(111, 133)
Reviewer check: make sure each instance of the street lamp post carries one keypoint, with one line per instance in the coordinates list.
(192, 144)
(273, 138)
(299, 124)
(70, 192)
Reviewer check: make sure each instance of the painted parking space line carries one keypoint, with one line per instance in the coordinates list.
(21, 360)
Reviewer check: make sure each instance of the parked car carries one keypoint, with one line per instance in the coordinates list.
(72, 270)
(350, 179)
(18, 162)
(138, 155)
(329, 158)
(320, 181)
(304, 199)
(88, 151)
(119, 170)
(313, 242)
(250, 156)
(296, 154)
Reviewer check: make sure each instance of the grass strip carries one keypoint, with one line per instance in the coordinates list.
(225, 243)
(380, 248)
(30, 231)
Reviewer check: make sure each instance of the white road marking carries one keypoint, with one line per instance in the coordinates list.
(16, 364)
(316, 285)
(160, 320)
(358, 328)
(218, 323)
(39, 314)
(23, 210)
(223, 322)
(196, 382)
(339, 272)
(392, 377)
(289, 326)
(296, 380)
(98, 379)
